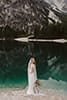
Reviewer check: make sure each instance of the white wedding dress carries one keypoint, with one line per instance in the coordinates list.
(32, 77)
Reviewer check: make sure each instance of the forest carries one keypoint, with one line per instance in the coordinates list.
(50, 31)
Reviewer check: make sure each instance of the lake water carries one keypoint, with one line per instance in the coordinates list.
(51, 61)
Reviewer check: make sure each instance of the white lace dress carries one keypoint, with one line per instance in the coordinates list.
(32, 77)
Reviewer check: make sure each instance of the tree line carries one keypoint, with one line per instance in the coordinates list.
(57, 30)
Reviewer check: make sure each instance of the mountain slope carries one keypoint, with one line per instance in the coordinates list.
(27, 14)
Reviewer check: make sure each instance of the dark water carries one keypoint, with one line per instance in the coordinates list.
(51, 60)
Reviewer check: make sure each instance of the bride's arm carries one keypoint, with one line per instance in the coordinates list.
(32, 68)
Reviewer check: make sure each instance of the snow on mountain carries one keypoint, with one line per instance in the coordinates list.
(57, 4)
(54, 17)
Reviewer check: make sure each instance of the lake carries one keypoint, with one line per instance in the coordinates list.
(51, 61)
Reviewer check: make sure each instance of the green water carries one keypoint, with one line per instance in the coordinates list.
(51, 61)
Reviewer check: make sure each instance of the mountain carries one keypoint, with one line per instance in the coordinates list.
(27, 14)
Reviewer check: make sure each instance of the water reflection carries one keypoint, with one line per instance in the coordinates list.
(51, 60)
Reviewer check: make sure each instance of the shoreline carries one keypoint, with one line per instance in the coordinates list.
(28, 39)
(41, 40)
(19, 94)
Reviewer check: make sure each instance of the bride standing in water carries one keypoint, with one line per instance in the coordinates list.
(32, 76)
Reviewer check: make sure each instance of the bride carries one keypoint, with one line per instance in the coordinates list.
(32, 77)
